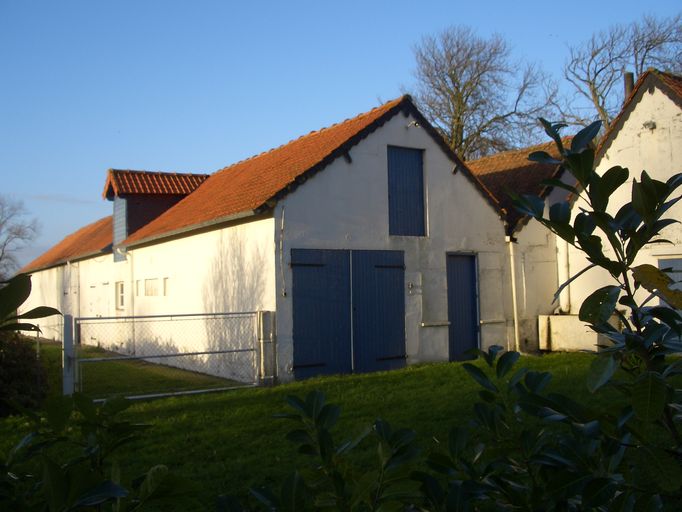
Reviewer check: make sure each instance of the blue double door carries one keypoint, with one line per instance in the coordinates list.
(348, 311)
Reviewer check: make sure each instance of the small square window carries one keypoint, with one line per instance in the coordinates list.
(151, 287)
(120, 295)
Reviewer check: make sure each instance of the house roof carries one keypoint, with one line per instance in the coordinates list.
(670, 84)
(254, 185)
(93, 239)
(120, 182)
(511, 171)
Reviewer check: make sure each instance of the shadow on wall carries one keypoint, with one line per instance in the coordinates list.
(235, 283)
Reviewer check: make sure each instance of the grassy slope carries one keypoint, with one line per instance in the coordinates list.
(226, 442)
(133, 377)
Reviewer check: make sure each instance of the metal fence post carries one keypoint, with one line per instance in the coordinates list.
(68, 357)
(266, 347)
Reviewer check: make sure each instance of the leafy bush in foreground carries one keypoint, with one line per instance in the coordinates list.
(526, 448)
(68, 462)
(23, 380)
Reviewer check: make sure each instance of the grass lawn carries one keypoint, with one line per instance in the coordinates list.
(226, 442)
(134, 377)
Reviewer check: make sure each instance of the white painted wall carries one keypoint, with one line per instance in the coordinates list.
(224, 270)
(345, 206)
(659, 152)
(536, 279)
(228, 269)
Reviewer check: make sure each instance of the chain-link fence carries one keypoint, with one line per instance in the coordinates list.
(167, 354)
(51, 328)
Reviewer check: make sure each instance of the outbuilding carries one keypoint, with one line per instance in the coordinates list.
(371, 241)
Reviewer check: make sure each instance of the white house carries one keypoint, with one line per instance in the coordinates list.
(646, 135)
(371, 241)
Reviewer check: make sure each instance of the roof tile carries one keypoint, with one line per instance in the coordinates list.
(95, 238)
(511, 171)
(121, 182)
(250, 184)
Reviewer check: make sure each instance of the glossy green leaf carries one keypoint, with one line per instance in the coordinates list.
(648, 396)
(584, 137)
(293, 492)
(601, 371)
(480, 377)
(599, 305)
(560, 212)
(543, 157)
(552, 129)
(20, 326)
(14, 294)
(54, 485)
(101, 493)
(598, 492)
(560, 184)
(39, 312)
(581, 166)
(328, 416)
(506, 363)
(537, 381)
(659, 468)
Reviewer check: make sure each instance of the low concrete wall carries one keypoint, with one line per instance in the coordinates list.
(567, 333)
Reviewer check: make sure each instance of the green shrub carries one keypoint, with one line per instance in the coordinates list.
(23, 379)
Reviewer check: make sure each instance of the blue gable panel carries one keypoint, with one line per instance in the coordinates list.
(405, 192)
(120, 224)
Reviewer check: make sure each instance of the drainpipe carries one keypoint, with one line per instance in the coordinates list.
(512, 269)
(563, 275)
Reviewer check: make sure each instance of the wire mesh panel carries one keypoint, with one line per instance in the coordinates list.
(165, 354)
(51, 328)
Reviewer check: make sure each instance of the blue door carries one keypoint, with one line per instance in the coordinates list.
(462, 305)
(348, 311)
(321, 312)
(378, 279)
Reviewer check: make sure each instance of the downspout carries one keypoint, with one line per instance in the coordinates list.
(515, 308)
(133, 288)
(563, 275)
(78, 285)
(281, 254)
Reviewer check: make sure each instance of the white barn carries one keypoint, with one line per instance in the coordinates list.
(371, 241)
(646, 135)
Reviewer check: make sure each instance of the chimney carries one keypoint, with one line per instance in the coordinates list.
(629, 81)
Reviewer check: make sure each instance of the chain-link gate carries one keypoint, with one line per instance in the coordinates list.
(159, 355)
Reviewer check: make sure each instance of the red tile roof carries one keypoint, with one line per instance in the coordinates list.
(120, 182)
(511, 171)
(674, 82)
(668, 83)
(255, 184)
(88, 241)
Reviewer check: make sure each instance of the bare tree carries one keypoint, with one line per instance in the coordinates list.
(472, 92)
(595, 67)
(16, 230)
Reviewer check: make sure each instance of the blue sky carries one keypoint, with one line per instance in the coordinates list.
(197, 85)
